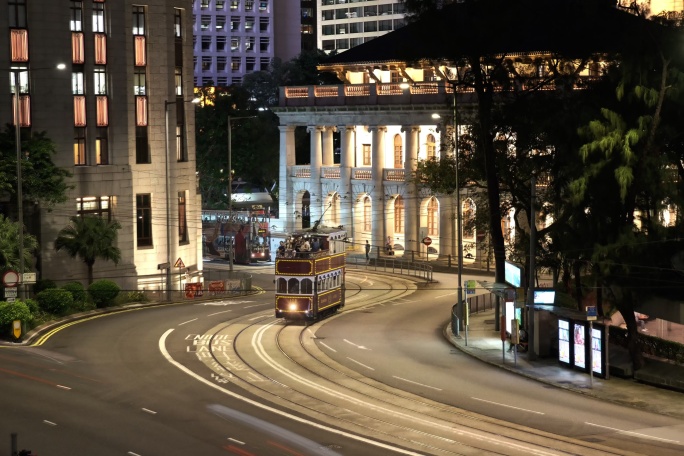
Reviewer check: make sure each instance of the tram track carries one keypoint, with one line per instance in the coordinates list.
(299, 377)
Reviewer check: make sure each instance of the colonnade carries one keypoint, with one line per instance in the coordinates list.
(350, 189)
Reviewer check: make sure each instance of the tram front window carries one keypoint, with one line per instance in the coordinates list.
(293, 286)
(282, 285)
(307, 286)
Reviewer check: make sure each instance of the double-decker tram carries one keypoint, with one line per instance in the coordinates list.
(309, 274)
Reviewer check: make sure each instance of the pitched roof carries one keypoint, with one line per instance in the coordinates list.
(573, 28)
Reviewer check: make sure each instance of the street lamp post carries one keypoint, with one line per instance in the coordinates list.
(459, 212)
(167, 165)
(459, 218)
(230, 184)
(20, 181)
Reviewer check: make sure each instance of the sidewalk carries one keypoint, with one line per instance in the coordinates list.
(485, 344)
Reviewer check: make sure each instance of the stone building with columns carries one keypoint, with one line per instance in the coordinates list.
(361, 164)
(368, 133)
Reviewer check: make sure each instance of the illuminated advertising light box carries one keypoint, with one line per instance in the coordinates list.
(564, 341)
(512, 274)
(544, 296)
(597, 351)
(579, 346)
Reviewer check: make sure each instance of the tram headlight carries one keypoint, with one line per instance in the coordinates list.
(292, 306)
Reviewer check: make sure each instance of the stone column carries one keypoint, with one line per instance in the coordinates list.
(315, 186)
(412, 213)
(328, 146)
(346, 165)
(378, 192)
(447, 226)
(286, 201)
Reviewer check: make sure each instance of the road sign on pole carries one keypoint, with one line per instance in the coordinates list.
(10, 279)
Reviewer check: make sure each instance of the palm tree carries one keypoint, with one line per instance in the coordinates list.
(90, 238)
(9, 245)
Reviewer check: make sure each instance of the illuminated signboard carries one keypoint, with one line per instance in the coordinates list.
(596, 351)
(564, 341)
(513, 274)
(544, 296)
(580, 351)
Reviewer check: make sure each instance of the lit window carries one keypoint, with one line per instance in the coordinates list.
(182, 219)
(399, 215)
(102, 146)
(179, 81)
(178, 23)
(77, 83)
(76, 22)
(139, 82)
(432, 217)
(143, 204)
(205, 23)
(138, 20)
(79, 146)
(93, 205)
(98, 18)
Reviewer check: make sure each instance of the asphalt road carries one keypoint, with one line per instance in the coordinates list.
(227, 378)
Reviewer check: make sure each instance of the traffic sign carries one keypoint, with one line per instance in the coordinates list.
(11, 292)
(29, 277)
(591, 313)
(10, 279)
(16, 329)
(427, 241)
(179, 263)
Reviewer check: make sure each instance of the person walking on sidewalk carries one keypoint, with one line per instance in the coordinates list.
(368, 249)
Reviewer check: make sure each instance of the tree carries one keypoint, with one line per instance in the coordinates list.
(43, 182)
(90, 238)
(632, 153)
(255, 141)
(9, 246)
(254, 144)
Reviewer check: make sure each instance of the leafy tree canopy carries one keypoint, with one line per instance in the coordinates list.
(43, 182)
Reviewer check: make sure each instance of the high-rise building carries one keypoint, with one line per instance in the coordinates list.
(309, 12)
(344, 24)
(237, 37)
(121, 125)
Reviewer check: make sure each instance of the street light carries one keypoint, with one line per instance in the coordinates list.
(20, 181)
(230, 183)
(459, 217)
(168, 192)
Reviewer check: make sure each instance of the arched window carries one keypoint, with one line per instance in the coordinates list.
(282, 285)
(398, 152)
(399, 215)
(293, 286)
(307, 286)
(433, 217)
(367, 215)
(431, 148)
(468, 219)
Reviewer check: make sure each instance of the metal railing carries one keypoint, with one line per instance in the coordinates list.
(393, 266)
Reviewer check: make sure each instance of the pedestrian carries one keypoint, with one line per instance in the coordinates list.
(281, 249)
(368, 249)
(316, 246)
